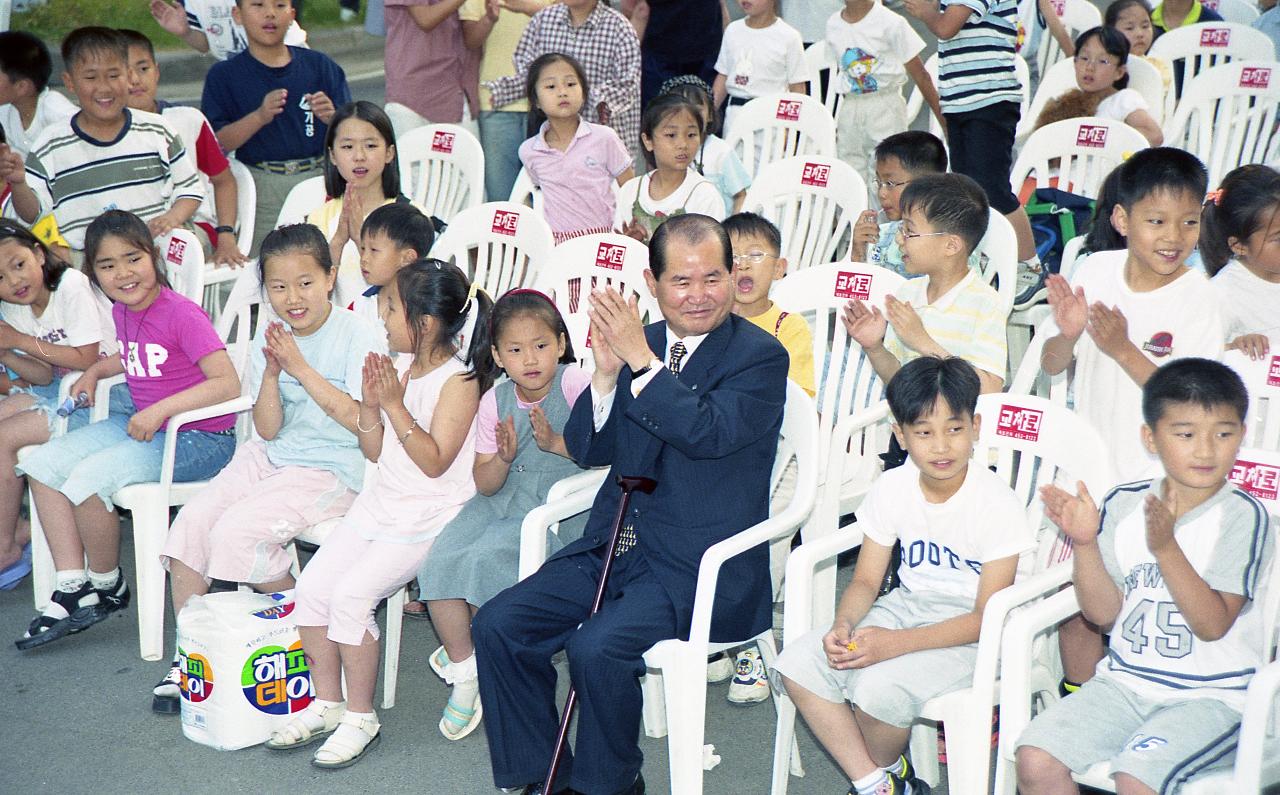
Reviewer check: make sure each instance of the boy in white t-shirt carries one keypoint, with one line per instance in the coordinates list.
(759, 55)
(875, 52)
(1172, 566)
(27, 105)
(207, 26)
(962, 530)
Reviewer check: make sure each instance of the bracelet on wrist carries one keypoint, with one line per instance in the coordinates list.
(361, 428)
(224, 229)
(413, 425)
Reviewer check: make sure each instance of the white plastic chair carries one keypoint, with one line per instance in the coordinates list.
(441, 169)
(1262, 379)
(678, 668)
(1061, 78)
(1191, 49)
(1227, 116)
(1033, 443)
(814, 201)
(246, 212)
(584, 263)
(1237, 11)
(183, 261)
(1077, 16)
(778, 126)
(1021, 686)
(1029, 378)
(499, 245)
(1075, 155)
(818, 58)
(526, 193)
(306, 196)
(999, 260)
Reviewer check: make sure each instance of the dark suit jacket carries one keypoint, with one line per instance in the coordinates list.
(708, 438)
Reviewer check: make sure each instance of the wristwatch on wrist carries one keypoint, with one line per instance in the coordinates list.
(654, 362)
(224, 229)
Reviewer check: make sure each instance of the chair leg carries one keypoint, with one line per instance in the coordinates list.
(150, 525)
(391, 642)
(655, 707)
(768, 653)
(968, 749)
(685, 683)
(924, 752)
(786, 760)
(43, 574)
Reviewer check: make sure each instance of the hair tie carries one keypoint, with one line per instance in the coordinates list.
(1214, 196)
(471, 311)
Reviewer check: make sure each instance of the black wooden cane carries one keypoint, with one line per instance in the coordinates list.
(628, 484)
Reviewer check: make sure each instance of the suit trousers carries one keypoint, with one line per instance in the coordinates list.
(517, 633)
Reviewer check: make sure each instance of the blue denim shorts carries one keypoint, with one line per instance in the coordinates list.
(101, 458)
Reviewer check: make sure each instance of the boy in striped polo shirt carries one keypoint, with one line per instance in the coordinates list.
(981, 100)
(951, 311)
(106, 156)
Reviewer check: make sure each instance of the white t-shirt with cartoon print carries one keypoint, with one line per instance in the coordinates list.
(871, 52)
(761, 61)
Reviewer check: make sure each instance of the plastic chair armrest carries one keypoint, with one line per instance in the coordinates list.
(102, 397)
(587, 480)
(798, 612)
(533, 531)
(1016, 656)
(183, 418)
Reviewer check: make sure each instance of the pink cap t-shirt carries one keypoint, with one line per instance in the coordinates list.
(161, 347)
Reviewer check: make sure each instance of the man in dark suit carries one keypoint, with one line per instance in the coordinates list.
(701, 417)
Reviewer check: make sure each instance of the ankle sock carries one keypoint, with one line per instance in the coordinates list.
(104, 582)
(69, 581)
(461, 673)
(870, 784)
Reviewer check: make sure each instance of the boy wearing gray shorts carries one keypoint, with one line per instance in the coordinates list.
(962, 530)
(1171, 567)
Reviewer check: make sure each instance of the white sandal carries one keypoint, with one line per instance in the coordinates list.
(355, 736)
(311, 724)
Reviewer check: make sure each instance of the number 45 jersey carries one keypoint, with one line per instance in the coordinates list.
(1153, 651)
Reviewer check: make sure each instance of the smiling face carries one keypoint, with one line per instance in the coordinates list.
(1197, 446)
(1162, 229)
(360, 153)
(940, 444)
(1096, 69)
(675, 141)
(144, 80)
(924, 248)
(126, 273)
(21, 274)
(264, 21)
(100, 81)
(695, 292)
(298, 289)
(529, 350)
(559, 91)
(1135, 24)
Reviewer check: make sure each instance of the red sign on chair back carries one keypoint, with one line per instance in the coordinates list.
(789, 109)
(177, 250)
(1215, 37)
(1019, 422)
(505, 222)
(442, 141)
(853, 285)
(1091, 135)
(815, 174)
(611, 255)
(1255, 77)
(1273, 372)
(1260, 480)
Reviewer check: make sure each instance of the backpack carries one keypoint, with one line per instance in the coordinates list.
(1056, 217)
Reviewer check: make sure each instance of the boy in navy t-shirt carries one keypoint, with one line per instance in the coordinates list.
(279, 134)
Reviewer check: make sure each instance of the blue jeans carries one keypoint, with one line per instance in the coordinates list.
(101, 458)
(501, 133)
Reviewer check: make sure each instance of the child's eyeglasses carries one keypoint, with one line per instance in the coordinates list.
(888, 184)
(751, 257)
(905, 235)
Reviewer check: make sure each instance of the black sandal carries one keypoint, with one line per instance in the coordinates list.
(81, 614)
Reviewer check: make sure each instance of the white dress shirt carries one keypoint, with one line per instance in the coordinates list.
(603, 404)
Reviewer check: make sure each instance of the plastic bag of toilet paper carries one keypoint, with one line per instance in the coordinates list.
(243, 670)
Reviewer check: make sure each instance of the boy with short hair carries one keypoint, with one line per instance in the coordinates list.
(950, 312)
(271, 103)
(216, 216)
(962, 531)
(757, 264)
(393, 236)
(106, 156)
(759, 54)
(981, 103)
(1171, 565)
(900, 158)
(210, 26)
(27, 105)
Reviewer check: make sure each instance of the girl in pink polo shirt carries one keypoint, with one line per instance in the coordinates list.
(577, 164)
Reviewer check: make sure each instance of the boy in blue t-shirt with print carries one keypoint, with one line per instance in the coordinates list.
(280, 135)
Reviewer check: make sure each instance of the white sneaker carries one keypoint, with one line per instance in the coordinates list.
(750, 683)
(346, 15)
(719, 669)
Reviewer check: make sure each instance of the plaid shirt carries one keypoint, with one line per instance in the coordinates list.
(608, 49)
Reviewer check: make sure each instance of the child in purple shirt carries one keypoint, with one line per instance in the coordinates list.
(173, 362)
(576, 163)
